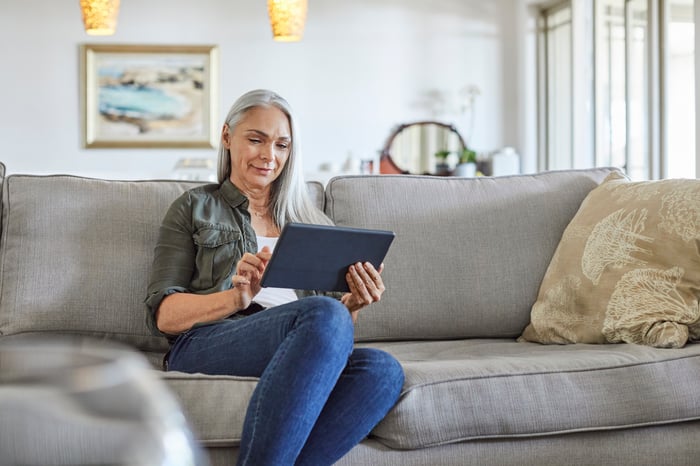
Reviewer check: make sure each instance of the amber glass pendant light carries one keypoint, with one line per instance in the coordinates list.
(100, 16)
(287, 18)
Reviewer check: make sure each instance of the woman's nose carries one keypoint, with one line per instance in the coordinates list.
(267, 152)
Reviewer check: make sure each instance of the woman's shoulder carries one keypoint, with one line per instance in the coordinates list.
(194, 199)
(204, 189)
(199, 193)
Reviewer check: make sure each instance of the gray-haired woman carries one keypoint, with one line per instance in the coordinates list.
(317, 396)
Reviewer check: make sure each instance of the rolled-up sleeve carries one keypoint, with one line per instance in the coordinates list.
(174, 254)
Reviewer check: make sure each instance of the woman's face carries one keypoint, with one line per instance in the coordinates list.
(259, 145)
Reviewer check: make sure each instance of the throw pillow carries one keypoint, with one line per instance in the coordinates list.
(627, 268)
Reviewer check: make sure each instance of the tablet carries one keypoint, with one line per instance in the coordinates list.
(317, 257)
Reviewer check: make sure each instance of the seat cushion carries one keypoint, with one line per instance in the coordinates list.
(481, 389)
(215, 406)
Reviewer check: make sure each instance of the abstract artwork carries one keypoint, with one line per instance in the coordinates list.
(149, 96)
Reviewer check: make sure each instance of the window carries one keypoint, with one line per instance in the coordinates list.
(556, 28)
(621, 83)
(643, 86)
(680, 90)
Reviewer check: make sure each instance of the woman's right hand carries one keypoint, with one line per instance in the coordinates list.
(178, 312)
(249, 271)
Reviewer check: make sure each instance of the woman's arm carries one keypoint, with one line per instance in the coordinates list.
(175, 301)
(178, 312)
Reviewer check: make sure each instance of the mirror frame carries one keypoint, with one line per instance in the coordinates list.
(387, 166)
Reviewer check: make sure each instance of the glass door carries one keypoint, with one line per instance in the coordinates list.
(558, 81)
(621, 86)
(643, 102)
(680, 89)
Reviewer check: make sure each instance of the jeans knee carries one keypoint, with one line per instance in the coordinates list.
(329, 319)
(384, 368)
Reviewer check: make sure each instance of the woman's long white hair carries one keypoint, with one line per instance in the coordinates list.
(289, 197)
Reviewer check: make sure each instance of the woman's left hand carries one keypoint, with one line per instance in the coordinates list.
(366, 287)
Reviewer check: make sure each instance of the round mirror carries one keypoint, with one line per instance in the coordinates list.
(416, 148)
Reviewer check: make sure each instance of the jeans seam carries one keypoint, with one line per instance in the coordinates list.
(274, 362)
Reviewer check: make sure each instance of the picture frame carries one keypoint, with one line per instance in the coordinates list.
(149, 96)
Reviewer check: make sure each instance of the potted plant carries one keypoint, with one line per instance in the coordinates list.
(441, 165)
(467, 163)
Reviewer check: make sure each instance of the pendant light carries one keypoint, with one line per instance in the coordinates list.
(100, 16)
(287, 18)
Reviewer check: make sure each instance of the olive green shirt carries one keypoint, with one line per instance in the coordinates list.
(202, 238)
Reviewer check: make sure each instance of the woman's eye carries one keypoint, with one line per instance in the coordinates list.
(254, 141)
(282, 145)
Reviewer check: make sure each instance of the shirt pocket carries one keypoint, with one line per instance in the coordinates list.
(216, 255)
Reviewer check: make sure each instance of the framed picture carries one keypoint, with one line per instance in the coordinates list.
(149, 95)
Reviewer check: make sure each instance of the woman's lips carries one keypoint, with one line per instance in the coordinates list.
(263, 170)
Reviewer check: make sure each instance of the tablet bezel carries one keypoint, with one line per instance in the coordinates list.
(317, 257)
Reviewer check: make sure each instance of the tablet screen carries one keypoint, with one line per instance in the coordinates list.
(317, 257)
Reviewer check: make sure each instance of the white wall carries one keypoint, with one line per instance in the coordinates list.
(363, 67)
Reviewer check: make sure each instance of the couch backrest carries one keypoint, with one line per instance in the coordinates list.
(2, 179)
(469, 254)
(76, 255)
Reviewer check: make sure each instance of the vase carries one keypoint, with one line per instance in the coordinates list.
(467, 170)
(442, 168)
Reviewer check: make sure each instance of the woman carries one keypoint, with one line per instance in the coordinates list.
(317, 396)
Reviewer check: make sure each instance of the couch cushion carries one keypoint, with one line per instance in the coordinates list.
(76, 255)
(627, 268)
(481, 389)
(217, 417)
(469, 254)
(484, 389)
(316, 193)
(2, 180)
(666, 445)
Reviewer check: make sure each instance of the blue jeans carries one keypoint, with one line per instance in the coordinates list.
(317, 397)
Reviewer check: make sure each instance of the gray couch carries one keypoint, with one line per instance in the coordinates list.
(461, 277)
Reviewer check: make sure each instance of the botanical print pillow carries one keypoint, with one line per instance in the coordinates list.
(627, 268)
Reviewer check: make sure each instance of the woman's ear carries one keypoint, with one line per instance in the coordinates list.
(226, 136)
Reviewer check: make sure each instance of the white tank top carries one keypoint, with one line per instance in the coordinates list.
(270, 297)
